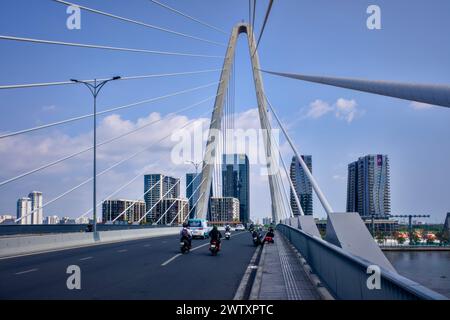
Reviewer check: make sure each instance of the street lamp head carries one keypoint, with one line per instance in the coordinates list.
(74, 80)
(116, 77)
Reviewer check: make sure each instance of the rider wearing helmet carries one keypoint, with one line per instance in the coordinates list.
(215, 235)
(186, 234)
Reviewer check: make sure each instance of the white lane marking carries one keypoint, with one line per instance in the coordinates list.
(123, 250)
(196, 248)
(27, 271)
(86, 258)
(170, 260)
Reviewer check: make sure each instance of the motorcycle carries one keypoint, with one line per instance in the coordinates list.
(256, 239)
(214, 247)
(184, 246)
(227, 235)
(269, 239)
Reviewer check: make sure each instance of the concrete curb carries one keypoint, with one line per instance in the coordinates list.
(256, 286)
(12, 247)
(245, 281)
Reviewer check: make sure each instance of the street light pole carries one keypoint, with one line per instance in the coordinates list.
(95, 90)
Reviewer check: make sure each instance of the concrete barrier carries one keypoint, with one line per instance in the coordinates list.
(34, 244)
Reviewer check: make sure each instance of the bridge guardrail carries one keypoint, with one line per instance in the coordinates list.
(346, 276)
(34, 244)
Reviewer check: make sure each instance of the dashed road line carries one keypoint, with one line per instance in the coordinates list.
(85, 258)
(27, 271)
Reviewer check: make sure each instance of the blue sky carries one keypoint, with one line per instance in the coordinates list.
(321, 37)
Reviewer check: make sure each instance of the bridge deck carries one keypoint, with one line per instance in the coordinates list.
(281, 275)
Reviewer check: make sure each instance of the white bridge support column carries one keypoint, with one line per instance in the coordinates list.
(216, 120)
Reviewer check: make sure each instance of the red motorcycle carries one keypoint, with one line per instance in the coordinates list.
(269, 237)
(214, 247)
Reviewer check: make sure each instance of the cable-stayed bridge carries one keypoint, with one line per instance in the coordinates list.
(141, 262)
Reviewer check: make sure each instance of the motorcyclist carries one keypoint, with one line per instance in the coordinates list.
(186, 234)
(227, 228)
(271, 232)
(257, 235)
(215, 235)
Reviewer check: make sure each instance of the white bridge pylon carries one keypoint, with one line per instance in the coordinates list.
(216, 122)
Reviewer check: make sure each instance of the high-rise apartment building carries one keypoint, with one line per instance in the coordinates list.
(302, 186)
(224, 210)
(172, 210)
(36, 207)
(111, 209)
(24, 211)
(160, 186)
(368, 186)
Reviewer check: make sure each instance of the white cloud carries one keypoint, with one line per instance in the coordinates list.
(344, 109)
(318, 108)
(339, 177)
(420, 105)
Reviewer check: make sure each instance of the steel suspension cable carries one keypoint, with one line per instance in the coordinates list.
(93, 46)
(184, 205)
(47, 84)
(149, 210)
(104, 171)
(107, 111)
(269, 8)
(48, 165)
(188, 16)
(134, 202)
(311, 178)
(137, 22)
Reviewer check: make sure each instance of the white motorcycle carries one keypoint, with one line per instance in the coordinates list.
(227, 235)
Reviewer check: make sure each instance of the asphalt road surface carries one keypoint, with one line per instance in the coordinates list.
(140, 269)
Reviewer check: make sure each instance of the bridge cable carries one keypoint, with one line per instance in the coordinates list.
(131, 181)
(48, 165)
(278, 178)
(93, 46)
(196, 202)
(161, 75)
(138, 22)
(107, 111)
(311, 178)
(163, 197)
(184, 205)
(146, 192)
(269, 8)
(188, 16)
(106, 170)
(134, 202)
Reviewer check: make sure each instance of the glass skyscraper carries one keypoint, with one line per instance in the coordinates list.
(368, 186)
(302, 186)
(236, 182)
(193, 184)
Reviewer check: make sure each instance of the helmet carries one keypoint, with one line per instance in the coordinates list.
(214, 227)
(185, 225)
